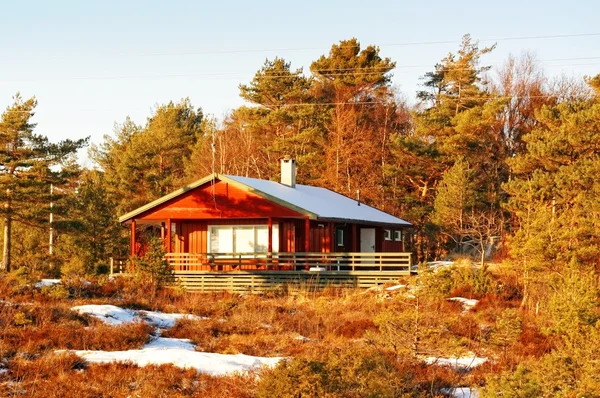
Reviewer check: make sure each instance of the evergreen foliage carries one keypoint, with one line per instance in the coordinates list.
(29, 165)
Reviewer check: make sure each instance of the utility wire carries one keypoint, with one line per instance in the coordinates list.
(400, 44)
(299, 104)
(235, 75)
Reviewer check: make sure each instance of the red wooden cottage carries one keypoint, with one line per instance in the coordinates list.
(224, 222)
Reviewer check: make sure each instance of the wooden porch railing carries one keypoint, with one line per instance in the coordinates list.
(289, 261)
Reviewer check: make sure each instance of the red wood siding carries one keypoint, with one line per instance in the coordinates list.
(321, 237)
(388, 246)
(192, 236)
(228, 202)
(288, 236)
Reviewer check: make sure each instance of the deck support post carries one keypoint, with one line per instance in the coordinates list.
(332, 237)
(306, 243)
(168, 236)
(270, 241)
(307, 235)
(133, 238)
(270, 234)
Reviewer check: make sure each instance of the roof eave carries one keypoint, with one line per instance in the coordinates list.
(128, 216)
(140, 210)
(367, 222)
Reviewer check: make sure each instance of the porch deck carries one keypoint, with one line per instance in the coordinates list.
(289, 281)
(252, 273)
(350, 262)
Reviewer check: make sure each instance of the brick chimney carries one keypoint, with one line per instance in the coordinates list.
(288, 171)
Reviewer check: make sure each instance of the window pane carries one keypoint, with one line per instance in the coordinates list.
(262, 238)
(244, 239)
(221, 240)
(340, 237)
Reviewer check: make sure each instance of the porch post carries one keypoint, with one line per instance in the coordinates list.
(354, 238)
(162, 231)
(307, 235)
(168, 236)
(270, 233)
(133, 238)
(332, 237)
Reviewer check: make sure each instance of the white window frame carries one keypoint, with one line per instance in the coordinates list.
(397, 235)
(387, 234)
(275, 241)
(339, 237)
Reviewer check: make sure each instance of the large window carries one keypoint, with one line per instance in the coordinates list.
(242, 239)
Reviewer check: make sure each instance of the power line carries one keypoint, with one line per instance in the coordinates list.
(400, 44)
(299, 104)
(235, 75)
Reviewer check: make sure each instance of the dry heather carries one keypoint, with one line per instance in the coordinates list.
(336, 341)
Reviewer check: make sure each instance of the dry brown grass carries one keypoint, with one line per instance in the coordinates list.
(66, 375)
(307, 325)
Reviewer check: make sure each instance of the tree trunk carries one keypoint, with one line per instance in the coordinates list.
(6, 251)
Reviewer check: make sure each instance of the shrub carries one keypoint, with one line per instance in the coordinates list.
(574, 301)
(507, 330)
(356, 372)
(152, 270)
(466, 280)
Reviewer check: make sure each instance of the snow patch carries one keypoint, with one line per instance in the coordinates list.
(180, 353)
(461, 392)
(434, 265)
(166, 321)
(114, 315)
(107, 313)
(396, 287)
(460, 363)
(302, 338)
(466, 303)
(47, 282)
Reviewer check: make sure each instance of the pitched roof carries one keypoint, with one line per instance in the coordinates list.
(315, 202)
(322, 202)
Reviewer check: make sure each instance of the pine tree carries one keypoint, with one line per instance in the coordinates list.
(555, 187)
(92, 233)
(363, 115)
(29, 164)
(144, 163)
(455, 198)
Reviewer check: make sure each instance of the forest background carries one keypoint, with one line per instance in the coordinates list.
(512, 156)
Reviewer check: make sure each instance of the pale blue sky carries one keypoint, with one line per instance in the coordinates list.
(92, 63)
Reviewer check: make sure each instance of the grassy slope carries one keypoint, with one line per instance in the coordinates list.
(352, 339)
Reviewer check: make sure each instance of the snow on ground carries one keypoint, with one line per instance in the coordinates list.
(114, 315)
(459, 363)
(466, 303)
(396, 287)
(181, 353)
(461, 392)
(47, 282)
(439, 264)
(110, 314)
(166, 321)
